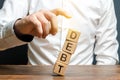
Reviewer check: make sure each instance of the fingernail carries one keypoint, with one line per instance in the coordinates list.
(69, 16)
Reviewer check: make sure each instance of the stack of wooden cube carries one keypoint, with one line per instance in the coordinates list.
(67, 51)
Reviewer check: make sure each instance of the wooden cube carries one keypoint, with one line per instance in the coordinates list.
(69, 47)
(64, 57)
(73, 35)
(67, 50)
(59, 68)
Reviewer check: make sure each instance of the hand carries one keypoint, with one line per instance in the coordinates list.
(40, 23)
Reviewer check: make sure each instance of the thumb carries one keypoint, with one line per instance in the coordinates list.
(61, 12)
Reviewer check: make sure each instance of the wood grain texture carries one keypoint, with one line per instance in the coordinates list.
(64, 57)
(73, 35)
(67, 50)
(28, 72)
(69, 47)
(59, 68)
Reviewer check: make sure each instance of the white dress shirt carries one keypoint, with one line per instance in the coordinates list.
(94, 19)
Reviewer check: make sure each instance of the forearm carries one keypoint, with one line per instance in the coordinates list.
(11, 10)
(8, 38)
(106, 46)
(106, 60)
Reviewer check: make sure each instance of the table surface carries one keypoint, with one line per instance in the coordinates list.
(86, 72)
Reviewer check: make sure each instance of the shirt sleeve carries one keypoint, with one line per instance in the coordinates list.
(106, 47)
(10, 12)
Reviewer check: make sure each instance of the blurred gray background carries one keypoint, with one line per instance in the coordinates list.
(117, 10)
(18, 55)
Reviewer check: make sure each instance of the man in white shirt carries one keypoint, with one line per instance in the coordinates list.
(37, 22)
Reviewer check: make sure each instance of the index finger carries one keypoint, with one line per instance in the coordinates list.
(61, 12)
